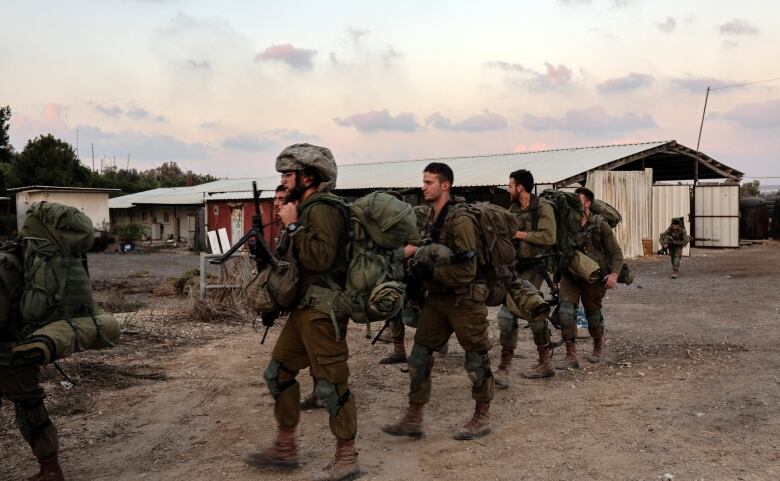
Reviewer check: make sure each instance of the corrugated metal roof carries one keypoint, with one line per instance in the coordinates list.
(245, 195)
(191, 195)
(62, 188)
(548, 167)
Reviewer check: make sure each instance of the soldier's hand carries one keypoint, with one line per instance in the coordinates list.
(268, 319)
(520, 235)
(288, 213)
(611, 280)
(409, 251)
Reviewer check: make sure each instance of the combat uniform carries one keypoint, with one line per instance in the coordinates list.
(455, 303)
(538, 220)
(314, 335)
(20, 384)
(596, 240)
(675, 242)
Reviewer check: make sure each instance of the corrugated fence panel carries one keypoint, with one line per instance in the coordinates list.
(670, 201)
(631, 193)
(717, 215)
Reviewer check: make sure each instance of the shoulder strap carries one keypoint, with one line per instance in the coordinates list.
(534, 212)
(438, 224)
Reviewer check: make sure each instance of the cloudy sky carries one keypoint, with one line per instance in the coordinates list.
(222, 87)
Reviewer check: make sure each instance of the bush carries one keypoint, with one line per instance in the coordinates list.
(129, 233)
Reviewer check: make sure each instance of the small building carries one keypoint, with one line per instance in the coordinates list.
(92, 201)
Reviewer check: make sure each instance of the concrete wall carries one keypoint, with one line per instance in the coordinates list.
(163, 222)
(93, 204)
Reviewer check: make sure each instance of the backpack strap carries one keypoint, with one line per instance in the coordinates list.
(534, 207)
(438, 224)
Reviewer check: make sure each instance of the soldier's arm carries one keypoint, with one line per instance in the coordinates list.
(613, 251)
(545, 233)
(316, 244)
(460, 273)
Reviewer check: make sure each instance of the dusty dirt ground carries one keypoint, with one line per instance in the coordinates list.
(690, 388)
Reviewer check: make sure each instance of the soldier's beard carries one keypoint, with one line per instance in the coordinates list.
(296, 193)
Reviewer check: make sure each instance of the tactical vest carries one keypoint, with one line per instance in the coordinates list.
(590, 242)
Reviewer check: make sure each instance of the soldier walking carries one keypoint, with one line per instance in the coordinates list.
(674, 239)
(316, 223)
(455, 303)
(535, 237)
(597, 241)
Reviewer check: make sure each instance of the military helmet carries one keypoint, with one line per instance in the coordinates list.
(300, 156)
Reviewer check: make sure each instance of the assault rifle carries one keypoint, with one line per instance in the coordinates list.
(258, 250)
(539, 264)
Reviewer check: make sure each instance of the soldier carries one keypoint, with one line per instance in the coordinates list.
(280, 196)
(19, 383)
(535, 237)
(455, 303)
(316, 223)
(597, 241)
(674, 239)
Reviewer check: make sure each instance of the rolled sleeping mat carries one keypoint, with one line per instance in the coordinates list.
(584, 268)
(59, 339)
(525, 301)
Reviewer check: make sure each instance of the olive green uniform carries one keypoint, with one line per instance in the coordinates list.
(597, 241)
(675, 242)
(538, 242)
(19, 383)
(455, 303)
(315, 334)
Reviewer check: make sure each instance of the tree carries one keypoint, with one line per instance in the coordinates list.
(5, 141)
(47, 160)
(750, 189)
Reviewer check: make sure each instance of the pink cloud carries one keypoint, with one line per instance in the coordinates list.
(535, 147)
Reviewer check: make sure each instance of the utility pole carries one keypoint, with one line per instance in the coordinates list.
(698, 142)
(128, 161)
(93, 155)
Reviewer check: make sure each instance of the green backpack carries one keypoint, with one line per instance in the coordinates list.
(568, 212)
(380, 225)
(55, 239)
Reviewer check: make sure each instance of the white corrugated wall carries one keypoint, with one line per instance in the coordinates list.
(670, 201)
(716, 209)
(631, 193)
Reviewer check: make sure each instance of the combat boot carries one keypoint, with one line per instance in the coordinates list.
(409, 425)
(312, 402)
(598, 345)
(545, 366)
(675, 273)
(501, 375)
(399, 353)
(478, 426)
(344, 466)
(570, 361)
(50, 470)
(283, 454)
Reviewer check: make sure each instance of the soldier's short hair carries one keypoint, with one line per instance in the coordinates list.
(676, 222)
(442, 170)
(586, 192)
(524, 178)
(280, 188)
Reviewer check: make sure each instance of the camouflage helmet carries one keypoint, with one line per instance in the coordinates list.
(300, 156)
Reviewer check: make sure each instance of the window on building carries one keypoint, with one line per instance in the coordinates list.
(166, 217)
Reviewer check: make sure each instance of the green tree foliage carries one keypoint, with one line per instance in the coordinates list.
(47, 160)
(750, 189)
(6, 150)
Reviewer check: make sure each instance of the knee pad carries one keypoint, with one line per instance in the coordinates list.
(419, 361)
(595, 319)
(478, 367)
(271, 376)
(329, 395)
(567, 312)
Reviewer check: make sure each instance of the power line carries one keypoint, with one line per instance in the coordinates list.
(745, 84)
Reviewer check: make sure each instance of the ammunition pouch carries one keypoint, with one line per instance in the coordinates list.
(274, 288)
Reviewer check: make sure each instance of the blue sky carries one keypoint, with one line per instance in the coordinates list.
(223, 87)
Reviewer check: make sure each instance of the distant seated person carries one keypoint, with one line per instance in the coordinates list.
(673, 240)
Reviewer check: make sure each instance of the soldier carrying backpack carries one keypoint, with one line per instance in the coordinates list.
(46, 313)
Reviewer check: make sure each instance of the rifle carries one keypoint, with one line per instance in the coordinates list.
(664, 251)
(258, 250)
(539, 264)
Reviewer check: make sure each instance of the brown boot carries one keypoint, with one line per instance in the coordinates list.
(344, 466)
(570, 361)
(409, 425)
(50, 470)
(675, 273)
(479, 424)
(545, 366)
(501, 375)
(283, 454)
(598, 345)
(399, 353)
(312, 402)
